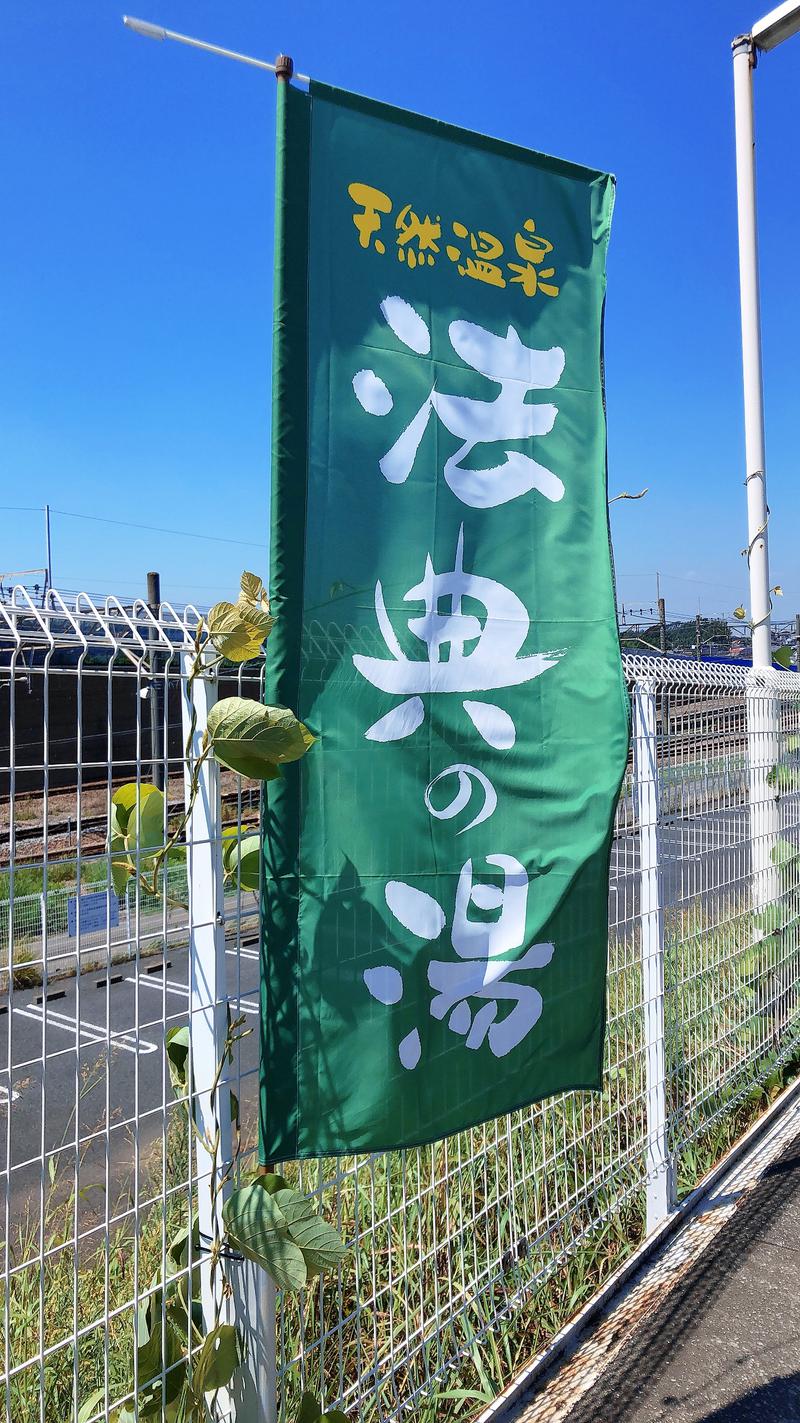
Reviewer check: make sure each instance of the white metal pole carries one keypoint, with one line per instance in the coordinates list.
(660, 1166)
(158, 32)
(251, 1395)
(743, 65)
(762, 718)
(208, 997)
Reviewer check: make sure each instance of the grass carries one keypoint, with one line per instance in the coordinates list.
(26, 967)
(29, 879)
(54, 1288)
(502, 1234)
(469, 1254)
(22, 916)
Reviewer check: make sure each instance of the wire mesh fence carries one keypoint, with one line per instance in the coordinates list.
(109, 923)
(466, 1255)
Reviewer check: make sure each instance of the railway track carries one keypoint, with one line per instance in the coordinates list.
(93, 832)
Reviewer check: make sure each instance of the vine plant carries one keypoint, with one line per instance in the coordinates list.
(242, 735)
(182, 1358)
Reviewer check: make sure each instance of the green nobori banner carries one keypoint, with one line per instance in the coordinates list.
(436, 882)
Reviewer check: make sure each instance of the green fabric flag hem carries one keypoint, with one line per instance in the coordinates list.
(436, 870)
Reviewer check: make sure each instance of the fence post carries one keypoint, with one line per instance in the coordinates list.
(208, 998)
(763, 751)
(254, 1388)
(660, 1168)
(252, 1393)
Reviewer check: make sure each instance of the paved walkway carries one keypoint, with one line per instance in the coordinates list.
(718, 1337)
(725, 1345)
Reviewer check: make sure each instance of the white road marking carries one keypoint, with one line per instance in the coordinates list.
(244, 954)
(90, 1032)
(690, 840)
(181, 991)
(159, 984)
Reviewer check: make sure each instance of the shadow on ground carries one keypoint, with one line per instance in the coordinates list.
(725, 1345)
(775, 1402)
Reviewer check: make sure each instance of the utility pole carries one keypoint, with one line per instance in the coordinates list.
(698, 645)
(797, 638)
(156, 698)
(48, 555)
(662, 617)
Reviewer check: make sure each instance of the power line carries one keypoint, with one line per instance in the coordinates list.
(682, 578)
(106, 580)
(127, 524)
(157, 529)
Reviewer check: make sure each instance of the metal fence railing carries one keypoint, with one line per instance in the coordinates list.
(110, 923)
(465, 1256)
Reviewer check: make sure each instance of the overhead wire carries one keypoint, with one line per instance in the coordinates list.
(129, 524)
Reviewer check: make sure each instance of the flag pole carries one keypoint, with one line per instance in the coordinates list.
(158, 32)
(744, 59)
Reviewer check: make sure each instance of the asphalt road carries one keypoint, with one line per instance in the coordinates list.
(702, 857)
(102, 1037)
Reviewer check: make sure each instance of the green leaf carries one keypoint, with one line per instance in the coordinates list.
(91, 1405)
(309, 1412)
(255, 604)
(230, 839)
(256, 740)
(246, 856)
(160, 1322)
(322, 1246)
(122, 803)
(783, 777)
(176, 1046)
(178, 1248)
(121, 871)
(96, 1401)
(235, 1110)
(238, 629)
(219, 1357)
(136, 824)
(271, 1182)
(784, 853)
(783, 656)
(118, 820)
(256, 1225)
(252, 588)
(137, 814)
(148, 1339)
(237, 632)
(770, 919)
(257, 619)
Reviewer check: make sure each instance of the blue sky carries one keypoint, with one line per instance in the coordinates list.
(136, 253)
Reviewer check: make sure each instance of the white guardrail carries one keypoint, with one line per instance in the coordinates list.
(465, 1256)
